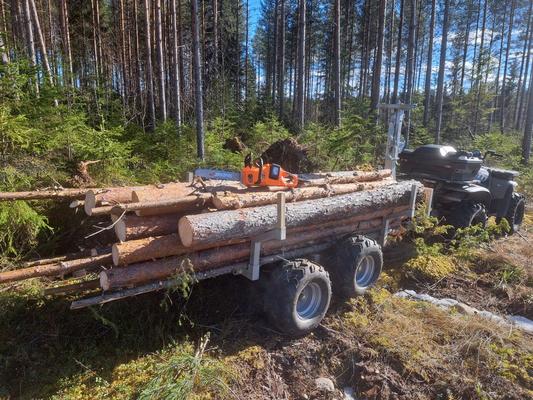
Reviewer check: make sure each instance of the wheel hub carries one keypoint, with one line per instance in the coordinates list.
(309, 301)
(364, 275)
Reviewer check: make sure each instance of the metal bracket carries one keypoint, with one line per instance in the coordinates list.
(394, 134)
(278, 233)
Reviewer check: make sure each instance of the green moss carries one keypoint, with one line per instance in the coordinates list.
(513, 363)
(431, 267)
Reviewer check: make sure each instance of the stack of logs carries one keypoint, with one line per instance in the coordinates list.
(163, 230)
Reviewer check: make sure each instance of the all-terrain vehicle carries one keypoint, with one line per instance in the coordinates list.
(466, 192)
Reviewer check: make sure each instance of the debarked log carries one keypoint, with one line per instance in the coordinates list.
(220, 226)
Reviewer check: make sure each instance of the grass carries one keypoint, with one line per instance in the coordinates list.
(436, 346)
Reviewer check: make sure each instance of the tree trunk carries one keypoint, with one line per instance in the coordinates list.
(42, 43)
(398, 55)
(522, 88)
(528, 130)
(300, 91)
(132, 227)
(480, 64)
(410, 64)
(149, 67)
(215, 34)
(160, 60)
(198, 90)
(465, 45)
(503, 105)
(30, 40)
(221, 226)
(429, 66)
(442, 66)
(337, 62)
(376, 75)
(176, 68)
(281, 67)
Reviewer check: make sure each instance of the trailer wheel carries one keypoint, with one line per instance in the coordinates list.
(297, 297)
(515, 214)
(356, 266)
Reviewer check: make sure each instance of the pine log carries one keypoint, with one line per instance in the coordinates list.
(109, 196)
(68, 257)
(131, 227)
(220, 256)
(344, 177)
(72, 288)
(230, 201)
(147, 249)
(59, 269)
(169, 206)
(140, 250)
(220, 226)
(196, 196)
(44, 194)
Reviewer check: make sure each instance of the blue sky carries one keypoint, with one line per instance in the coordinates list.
(255, 13)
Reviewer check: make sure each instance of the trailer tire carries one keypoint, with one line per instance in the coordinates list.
(468, 214)
(355, 266)
(297, 296)
(516, 211)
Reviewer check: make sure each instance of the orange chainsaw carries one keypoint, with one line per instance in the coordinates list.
(254, 173)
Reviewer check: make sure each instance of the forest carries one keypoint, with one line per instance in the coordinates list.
(117, 100)
(122, 91)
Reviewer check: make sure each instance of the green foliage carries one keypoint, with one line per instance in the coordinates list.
(185, 374)
(265, 132)
(467, 240)
(21, 226)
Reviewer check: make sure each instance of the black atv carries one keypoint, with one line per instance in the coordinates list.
(465, 191)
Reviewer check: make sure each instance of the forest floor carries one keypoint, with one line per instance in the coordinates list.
(213, 345)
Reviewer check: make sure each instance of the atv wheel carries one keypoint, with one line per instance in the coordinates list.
(515, 213)
(297, 297)
(355, 266)
(468, 214)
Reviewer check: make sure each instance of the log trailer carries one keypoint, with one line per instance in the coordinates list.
(299, 244)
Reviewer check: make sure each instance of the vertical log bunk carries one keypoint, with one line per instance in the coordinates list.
(204, 229)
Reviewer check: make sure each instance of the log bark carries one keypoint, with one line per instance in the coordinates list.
(220, 226)
(68, 257)
(109, 196)
(147, 249)
(344, 177)
(165, 246)
(61, 268)
(218, 257)
(44, 194)
(72, 288)
(166, 206)
(132, 227)
(230, 201)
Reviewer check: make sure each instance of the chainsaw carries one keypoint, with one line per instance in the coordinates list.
(254, 173)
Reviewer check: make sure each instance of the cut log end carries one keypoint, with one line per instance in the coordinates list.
(104, 281)
(120, 230)
(185, 231)
(90, 202)
(115, 254)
